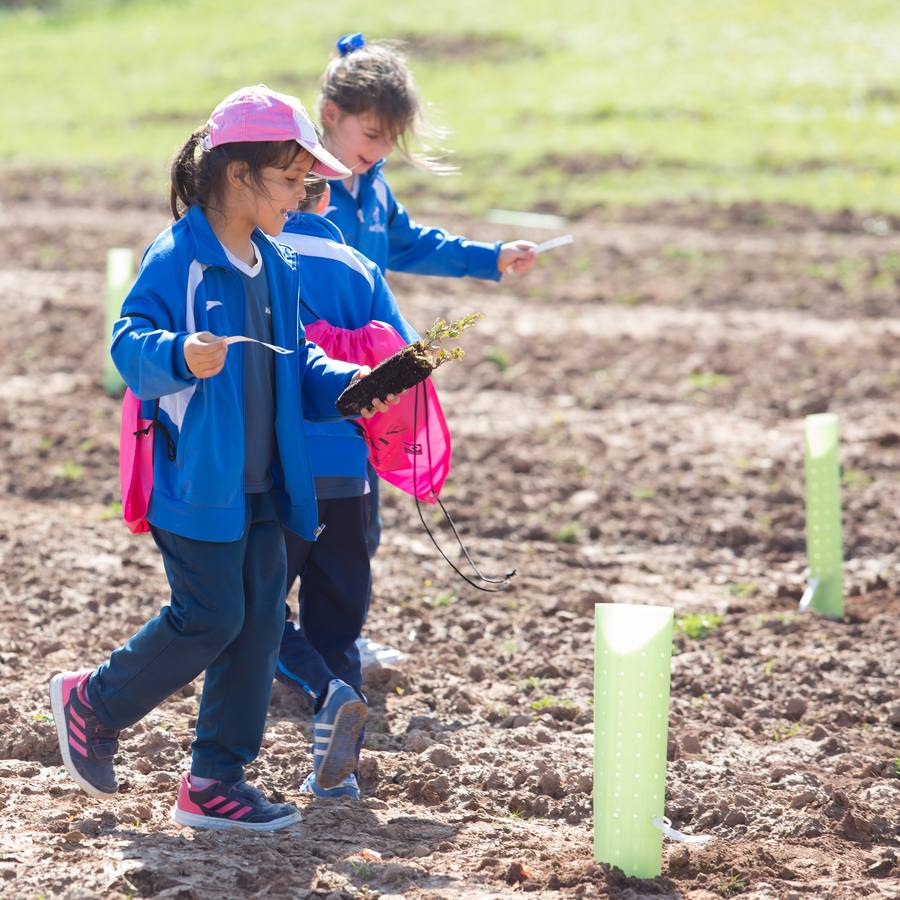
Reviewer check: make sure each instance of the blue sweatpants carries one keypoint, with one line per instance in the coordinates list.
(225, 617)
(374, 524)
(335, 585)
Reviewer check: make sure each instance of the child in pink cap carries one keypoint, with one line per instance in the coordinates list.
(230, 466)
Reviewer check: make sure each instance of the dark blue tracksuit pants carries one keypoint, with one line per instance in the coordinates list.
(374, 525)
(225, 617)
(335, 584)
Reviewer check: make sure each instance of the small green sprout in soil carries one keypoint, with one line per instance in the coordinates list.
(856, 479)
(70, 470)
(628, 299)
(743, 589)
(697, 626)
(498, 357)
(568, 534)
(708, 381)
(897, 766)
(362, 869)
(407, 367)
(111, 511)
(552, 702)
(785, 732)
(732, 885)
(643, 493)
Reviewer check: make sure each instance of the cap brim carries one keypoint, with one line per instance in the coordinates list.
(326, 165)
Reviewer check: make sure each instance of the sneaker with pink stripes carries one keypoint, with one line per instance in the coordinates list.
(87, 747)
(230, 805)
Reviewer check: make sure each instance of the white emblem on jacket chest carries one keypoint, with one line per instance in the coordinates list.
(210, 304)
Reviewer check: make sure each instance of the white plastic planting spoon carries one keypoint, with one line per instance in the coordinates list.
(209, 338)
(553, 243)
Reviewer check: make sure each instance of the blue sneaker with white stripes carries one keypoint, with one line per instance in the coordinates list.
(349, 787)
(337, 727)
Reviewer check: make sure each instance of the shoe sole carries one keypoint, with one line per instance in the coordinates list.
(194, 820)
(62, 736)
(340, 760)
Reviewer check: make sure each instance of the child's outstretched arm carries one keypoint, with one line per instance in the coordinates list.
(422, 250)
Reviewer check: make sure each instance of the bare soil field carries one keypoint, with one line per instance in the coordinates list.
(627, 428)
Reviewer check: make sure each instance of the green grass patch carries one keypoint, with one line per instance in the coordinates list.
(567, 105)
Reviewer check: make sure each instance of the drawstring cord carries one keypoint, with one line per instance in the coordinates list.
(499, 583)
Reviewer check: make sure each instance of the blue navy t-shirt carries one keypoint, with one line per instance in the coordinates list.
(259, 376)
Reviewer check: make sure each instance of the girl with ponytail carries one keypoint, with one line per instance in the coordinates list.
(234, 470)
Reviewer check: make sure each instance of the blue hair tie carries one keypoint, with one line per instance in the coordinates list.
(347, 43)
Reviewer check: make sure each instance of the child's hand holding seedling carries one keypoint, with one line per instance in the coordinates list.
(378, 405)
(405, 369)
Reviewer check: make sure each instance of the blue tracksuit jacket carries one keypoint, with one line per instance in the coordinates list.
(380, 228)
(186, 284)
(347, 290)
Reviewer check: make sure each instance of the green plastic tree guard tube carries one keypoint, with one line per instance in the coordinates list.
(632, 656)
(823, 515)
(119, 276)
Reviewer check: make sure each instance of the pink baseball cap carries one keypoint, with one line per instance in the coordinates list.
(259, 114)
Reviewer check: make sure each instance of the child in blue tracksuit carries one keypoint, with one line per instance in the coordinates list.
(319, 655)
(231, 465)
(368, 106)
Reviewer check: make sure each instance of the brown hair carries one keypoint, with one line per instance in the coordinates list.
(198, 176)
(315, 187)
(375, 78)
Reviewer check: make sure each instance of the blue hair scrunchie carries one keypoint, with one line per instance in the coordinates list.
(347, 43)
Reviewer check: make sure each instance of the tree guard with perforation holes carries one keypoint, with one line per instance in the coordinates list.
(825, 591)
(632, 656)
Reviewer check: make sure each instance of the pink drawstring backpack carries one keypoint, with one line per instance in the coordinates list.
(409, 445)
(135, 464)
(136, 458)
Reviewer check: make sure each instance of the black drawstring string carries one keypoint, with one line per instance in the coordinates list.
(304, 303)
(500, 583)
